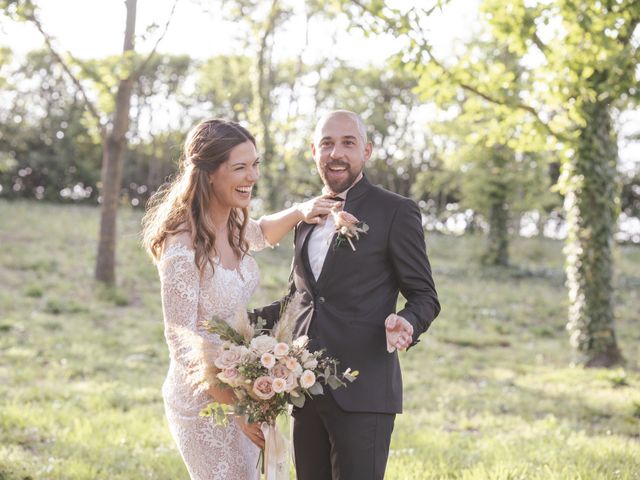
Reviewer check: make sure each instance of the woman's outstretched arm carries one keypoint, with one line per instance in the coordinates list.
(277, 225)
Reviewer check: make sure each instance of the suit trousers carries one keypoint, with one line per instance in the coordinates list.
(332, 444)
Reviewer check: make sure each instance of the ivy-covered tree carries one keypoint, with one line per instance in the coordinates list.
(582, 59)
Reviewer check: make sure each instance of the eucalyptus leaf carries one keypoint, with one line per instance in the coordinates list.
(334, 382)
(316, 389)
(297, 401)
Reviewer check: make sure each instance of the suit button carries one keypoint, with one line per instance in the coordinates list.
(320, 299)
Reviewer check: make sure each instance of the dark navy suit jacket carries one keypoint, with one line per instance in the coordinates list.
(344, 311)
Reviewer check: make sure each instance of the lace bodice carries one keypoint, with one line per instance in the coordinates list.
(190, 299)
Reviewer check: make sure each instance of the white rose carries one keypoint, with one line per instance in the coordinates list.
(292, 382)
(308, 379)
(279, 385)
(229, 358)
(310, 364)
(268, 360)
(263, 344)
(305, 355)
(281, 350)
(301, 341)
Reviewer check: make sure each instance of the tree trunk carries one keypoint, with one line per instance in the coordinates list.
(154, 174)
(591, 212)
(263, 108)
(497, 249)
(114, 144)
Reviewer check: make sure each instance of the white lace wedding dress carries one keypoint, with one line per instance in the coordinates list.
(209, 451)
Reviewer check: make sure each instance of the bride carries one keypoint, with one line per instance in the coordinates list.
(198, 231)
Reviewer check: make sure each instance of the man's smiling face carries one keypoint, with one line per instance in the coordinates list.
(340, 151)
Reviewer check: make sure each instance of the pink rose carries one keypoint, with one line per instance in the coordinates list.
(229, 358)
(292, 364)
(344, 219)
(280, 371)
(230, 376)
(263, 387)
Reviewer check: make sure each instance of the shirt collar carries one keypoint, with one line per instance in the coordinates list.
(342, 195)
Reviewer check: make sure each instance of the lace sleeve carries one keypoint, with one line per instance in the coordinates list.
(255, 237)
(180, 288)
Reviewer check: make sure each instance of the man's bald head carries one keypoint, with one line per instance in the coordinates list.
(346, 113)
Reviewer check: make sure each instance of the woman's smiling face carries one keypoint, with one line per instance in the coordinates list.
(233, 181)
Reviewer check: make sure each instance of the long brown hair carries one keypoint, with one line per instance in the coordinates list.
(184, 204)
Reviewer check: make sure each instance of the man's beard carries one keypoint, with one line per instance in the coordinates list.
(338, 186)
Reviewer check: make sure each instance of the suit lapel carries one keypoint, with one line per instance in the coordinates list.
(302, 258)
(354, 193)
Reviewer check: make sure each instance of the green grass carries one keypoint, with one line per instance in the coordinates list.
(490, 392)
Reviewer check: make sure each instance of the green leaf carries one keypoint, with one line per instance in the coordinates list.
(316, 389)
(334, 382)
(297, 401)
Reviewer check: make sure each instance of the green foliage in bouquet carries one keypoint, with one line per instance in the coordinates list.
(267, 369)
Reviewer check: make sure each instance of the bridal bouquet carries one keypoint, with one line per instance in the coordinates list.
(268, 370)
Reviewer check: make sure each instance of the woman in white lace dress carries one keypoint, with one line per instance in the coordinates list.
(199, 232)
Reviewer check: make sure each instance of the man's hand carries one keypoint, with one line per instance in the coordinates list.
(316, 209)
(399, 332)
(251, 430)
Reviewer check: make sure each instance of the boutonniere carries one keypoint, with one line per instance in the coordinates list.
(348, 228)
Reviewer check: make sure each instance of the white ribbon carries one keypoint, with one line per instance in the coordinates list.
(276, 458)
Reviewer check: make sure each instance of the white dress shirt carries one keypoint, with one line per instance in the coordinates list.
(320, 239)
(319, 243)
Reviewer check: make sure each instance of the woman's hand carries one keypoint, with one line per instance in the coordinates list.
(276, 225)
(316, 209)
(223, 395)
(251, 430)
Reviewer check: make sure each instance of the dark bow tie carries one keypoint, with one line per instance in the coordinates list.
(336, 198)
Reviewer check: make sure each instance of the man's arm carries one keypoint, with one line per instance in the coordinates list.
(413, 270)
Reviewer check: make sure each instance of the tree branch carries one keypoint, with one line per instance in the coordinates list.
(539, 43)
(49, 42)
(424, 47)
(489, 98)
(626, 39)
(146, 61)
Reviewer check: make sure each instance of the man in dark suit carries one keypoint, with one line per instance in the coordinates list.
(347, 301)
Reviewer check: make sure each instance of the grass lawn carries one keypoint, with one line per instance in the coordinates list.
(490, 392)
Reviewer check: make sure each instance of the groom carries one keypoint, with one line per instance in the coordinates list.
(348, 303)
